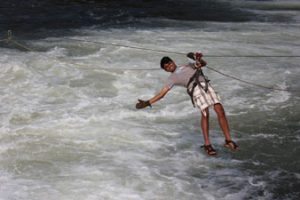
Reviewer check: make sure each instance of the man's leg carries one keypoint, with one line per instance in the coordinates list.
(205, 130)
(222, 120)
(205, 126)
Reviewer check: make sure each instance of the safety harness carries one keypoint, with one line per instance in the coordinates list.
(194, 80)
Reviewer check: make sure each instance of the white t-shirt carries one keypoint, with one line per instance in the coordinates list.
(181, 76)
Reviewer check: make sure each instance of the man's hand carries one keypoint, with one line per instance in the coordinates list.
(142, 104)
(198, 56)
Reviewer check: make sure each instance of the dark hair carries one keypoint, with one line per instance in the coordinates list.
(164, 61)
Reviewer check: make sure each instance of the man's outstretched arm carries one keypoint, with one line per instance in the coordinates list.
(160, 95)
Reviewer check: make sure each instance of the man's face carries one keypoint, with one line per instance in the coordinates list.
(170, 66)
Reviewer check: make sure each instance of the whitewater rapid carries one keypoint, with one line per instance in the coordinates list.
(69, 128)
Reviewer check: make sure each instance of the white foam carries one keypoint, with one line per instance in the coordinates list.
(69, 115)
(257, 184)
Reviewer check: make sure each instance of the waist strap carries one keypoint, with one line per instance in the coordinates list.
(195, 81)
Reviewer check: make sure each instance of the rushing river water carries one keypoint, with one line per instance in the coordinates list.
(68, 124)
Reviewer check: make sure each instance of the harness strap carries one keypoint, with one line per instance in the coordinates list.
(195, 80)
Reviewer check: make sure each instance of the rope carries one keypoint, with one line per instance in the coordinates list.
(9, 39)
(181, 53)
(253, 56)
(248, 82)
(210, 68)
(128, 46)
(22, 46)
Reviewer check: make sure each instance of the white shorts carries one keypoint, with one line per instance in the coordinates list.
(205, 99)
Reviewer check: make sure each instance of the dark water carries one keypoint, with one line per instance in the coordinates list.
(34, 15)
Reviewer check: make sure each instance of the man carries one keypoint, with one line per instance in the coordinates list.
(201, 92)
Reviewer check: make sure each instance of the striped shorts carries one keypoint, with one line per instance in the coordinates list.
(205, 99)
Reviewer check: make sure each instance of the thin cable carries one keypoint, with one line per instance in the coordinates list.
(22, 46)
(253, 56)
(128, 46)
(181, 53)
(9, 39)
(248, 82)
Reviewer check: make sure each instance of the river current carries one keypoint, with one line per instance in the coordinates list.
(69, 128)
